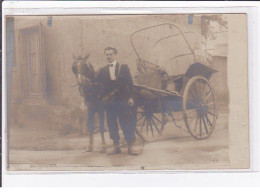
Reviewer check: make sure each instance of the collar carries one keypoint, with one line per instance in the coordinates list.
(114, 63)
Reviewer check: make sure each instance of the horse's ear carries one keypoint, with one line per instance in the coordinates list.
(87, 56)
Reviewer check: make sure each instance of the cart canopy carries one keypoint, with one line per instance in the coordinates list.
(163, 46)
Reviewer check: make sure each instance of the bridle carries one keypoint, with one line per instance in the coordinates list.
(81, 72)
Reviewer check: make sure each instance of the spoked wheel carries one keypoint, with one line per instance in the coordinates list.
(149, 125)
(199, 107)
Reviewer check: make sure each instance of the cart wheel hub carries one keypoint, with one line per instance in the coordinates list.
(203, 109)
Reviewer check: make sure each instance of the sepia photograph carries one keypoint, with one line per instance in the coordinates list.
(127, 92)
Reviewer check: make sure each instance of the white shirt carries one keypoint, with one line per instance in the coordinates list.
(112, 70)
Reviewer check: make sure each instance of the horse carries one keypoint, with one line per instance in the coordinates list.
(91, 91)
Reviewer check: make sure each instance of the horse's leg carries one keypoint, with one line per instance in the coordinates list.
(90, 126)
(81, 126)
(101, 117)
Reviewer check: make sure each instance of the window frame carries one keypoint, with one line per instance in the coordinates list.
(25, 35)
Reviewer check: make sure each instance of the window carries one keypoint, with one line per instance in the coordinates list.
(32, 65)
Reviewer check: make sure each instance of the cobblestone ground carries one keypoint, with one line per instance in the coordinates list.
(176, 149)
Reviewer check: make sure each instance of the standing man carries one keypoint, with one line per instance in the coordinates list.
(118, 97)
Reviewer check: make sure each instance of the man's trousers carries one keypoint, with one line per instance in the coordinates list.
(126, 116)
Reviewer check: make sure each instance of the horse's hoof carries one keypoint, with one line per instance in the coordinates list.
(103, 150)
(90, 149)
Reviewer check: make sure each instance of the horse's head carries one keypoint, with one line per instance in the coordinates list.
(83, 70)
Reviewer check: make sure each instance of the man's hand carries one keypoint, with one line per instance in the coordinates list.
(131, 102)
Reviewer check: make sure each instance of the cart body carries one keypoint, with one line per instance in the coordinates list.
(160, 93)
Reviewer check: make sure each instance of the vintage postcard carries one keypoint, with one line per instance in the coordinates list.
(127, 92)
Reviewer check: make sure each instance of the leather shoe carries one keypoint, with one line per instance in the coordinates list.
(115, 150)
(131, 150)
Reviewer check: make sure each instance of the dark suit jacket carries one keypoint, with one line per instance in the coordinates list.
(123, 82)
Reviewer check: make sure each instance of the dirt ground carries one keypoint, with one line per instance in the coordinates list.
(33, 149)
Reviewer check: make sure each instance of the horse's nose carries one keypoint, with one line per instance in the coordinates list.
(80, 80)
